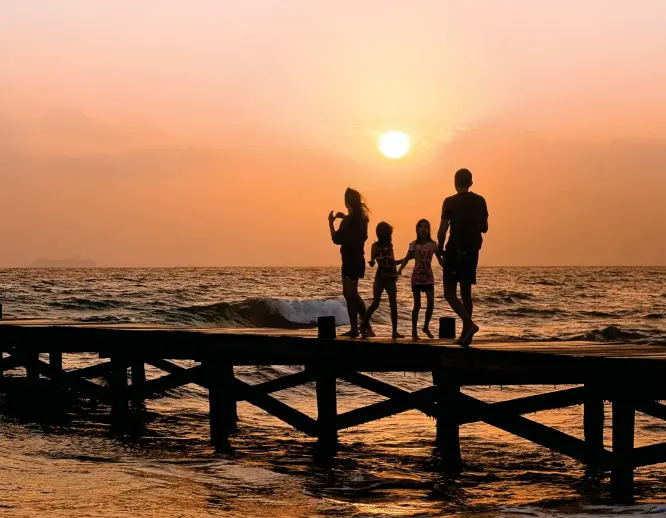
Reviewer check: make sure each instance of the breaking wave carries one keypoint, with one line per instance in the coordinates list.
(262, 312)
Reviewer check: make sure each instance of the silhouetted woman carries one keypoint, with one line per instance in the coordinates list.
(351, 236)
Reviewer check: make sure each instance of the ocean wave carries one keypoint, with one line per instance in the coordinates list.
(528, 311)
(546, 283)
(85, 304)
(262, 312)
(601, 314)
(502, 296)
(610, 334)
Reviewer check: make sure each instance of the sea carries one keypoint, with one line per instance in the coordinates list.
(167, 467)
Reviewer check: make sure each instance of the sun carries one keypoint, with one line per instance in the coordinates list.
(394, 144)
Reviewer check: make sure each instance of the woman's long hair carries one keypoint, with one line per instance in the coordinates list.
(355, 200)
(418, 224)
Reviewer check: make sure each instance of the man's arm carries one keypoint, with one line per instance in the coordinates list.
(441, 234)
(443, 229)
(484, 220)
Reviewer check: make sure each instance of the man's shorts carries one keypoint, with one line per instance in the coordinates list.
(460, 266)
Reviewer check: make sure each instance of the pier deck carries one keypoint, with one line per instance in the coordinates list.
(631, 377)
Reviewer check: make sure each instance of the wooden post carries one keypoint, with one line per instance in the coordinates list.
(222, 400)
(55, 361)
(622, 469)
(138, 371)
(448, 419)
(327, 407)
(593, 424)
(31, 359)
(447, 327)
(326, 328)
(118, 379)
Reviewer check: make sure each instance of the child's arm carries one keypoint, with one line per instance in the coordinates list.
(403, 262)
(373, 255)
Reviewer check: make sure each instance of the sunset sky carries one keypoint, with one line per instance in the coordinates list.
(214, 133)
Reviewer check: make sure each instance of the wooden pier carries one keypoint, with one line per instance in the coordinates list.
(632, 378)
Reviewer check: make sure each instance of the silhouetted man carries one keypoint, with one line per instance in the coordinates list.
(465, 214)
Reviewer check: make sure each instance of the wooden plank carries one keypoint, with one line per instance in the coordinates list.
(529, 404)
(55, 361)
(85, 387)
(385, 389)
(593, 425)
(277, 408)
(327, 410)
(11, 362)
(285, 382)
(165, 365)
(382, 409)
(119, 392)
(221, 383)
(447, 392)
(651, 408)
(99, 370)
(483, 364)
(530, 430)
(30, 362)
(649, 455)
(181, 376)
(138, 373)
(622, 469)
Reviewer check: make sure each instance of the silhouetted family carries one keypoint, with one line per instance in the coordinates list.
(464, 218)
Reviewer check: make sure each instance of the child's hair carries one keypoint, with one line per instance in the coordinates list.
(384, 234)
(429, 228)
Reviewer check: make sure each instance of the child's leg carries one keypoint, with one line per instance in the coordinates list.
(377, 289)
(392, 292)
(415, 313)
(430, 307)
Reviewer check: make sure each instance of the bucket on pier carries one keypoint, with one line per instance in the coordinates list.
(447, 327)
(326, 328)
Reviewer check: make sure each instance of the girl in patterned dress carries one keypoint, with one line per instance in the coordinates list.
(423, 280)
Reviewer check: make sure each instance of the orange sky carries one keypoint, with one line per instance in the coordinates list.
(178, 133)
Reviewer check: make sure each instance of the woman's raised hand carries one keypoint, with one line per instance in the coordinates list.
(331, 217)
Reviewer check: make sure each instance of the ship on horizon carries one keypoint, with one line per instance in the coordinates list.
(71, 262)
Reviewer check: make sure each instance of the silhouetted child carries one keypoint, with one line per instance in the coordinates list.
(385, 278)
(423, 280)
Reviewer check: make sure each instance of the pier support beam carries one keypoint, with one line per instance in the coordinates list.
(31, 360)
(622, 469)
(138, 371)
(222, 400)
(55, 361)
(593, 424)
(118, 379)
(327, 407)
(448, 419)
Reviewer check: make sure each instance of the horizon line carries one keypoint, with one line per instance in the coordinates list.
(163, 267)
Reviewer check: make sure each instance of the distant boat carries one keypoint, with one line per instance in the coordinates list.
(72, 262)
